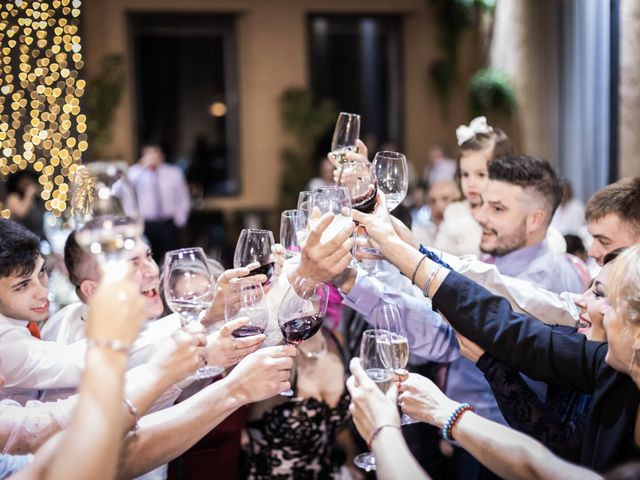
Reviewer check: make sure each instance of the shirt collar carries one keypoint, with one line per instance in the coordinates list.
(13, 321)
(514, 263)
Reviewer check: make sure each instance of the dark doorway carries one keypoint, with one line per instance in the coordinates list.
(356, 61)
(186, 93)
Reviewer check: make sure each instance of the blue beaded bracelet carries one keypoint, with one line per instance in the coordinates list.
(433, 257)
(453, 418)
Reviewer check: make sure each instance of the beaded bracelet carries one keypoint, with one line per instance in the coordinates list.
(453, 418)
(415, 271)
(378, 430)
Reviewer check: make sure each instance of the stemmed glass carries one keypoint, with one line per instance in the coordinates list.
(345, 136)
(105, 210)
(336, 200)
(392, 342)
(301, 312)
(189, 290)
(376, 370)
(245, 298)
(290, 227)
(254, 245)
(392, 176)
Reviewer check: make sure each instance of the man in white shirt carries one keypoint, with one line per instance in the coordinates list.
(27, 363)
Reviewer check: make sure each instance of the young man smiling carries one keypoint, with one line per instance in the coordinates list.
(27, 363)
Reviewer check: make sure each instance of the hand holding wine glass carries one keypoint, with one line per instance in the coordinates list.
(245, 299)
(189, 289)
(375, 369)
(302, 310)
(255, 245)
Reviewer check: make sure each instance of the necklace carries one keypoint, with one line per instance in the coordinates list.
(314, 355)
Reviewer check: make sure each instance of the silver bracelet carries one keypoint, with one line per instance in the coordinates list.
(432, 275)
(133, 411)
(114, 345)
(415, 271)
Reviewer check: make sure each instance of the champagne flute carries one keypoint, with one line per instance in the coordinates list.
(290, 226)
(245, 298)
(105, 211)
(301, 312)
(189, 290)
(382, 376)
(392, 175)
(393, 342)
(345, 135)
(255, 245)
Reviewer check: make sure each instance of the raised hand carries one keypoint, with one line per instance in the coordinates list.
(181, 354)
(225, 350)
(421, 399)
(263, 374)
(369, 406)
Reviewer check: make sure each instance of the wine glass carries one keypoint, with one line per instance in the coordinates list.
(392, 342)
(301, 312)
(189, 290)
(392, 175)
(345, 135)
(245, 298)
(290, 226)
(254, 245)
(333, 199)
(358, 177)
(376, 370)
(105, 211)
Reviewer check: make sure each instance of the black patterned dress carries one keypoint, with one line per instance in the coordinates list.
(297, 439)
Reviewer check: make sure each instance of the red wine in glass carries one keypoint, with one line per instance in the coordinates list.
(366, 202)
(299, 329)
(247, 331)
(266, 269)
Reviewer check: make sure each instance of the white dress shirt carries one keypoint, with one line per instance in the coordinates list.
(30, 365)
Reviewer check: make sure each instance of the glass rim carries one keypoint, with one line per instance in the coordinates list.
(292, 212)
(390, 154)
(184, 250)
(349, 114)
(256, 230)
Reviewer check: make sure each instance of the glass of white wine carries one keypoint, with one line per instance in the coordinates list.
(189, 290)
(376, 370)
(345, 136)
(392, 175)
(392, 342)
(105, 212)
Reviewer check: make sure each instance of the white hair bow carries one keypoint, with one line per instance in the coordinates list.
(476, 126)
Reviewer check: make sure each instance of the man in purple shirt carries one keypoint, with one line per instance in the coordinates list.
(163, 199)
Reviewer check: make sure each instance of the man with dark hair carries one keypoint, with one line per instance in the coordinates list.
(613, 217)
(27, 363)
(520, 199)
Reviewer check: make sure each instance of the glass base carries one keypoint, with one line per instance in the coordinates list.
(209, 372)
(365, 461)
(287, 393)
(407, 420)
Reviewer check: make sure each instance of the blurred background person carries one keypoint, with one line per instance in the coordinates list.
(23, 201)
(440, 166)
(325, 178)
(439, 196)
(569, 216)
(163, 199)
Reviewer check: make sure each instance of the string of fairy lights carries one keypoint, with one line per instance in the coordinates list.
(42, 126)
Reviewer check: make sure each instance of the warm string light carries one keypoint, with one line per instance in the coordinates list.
(41, 124)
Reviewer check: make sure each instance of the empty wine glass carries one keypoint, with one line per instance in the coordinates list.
(301, 311)
(245, 298)
(393, 342)
(189, 290)
(375, 369)
(336, 200)
(392, 175)
(290, 226)
(345, 136)
(254, 245)
(105, 211)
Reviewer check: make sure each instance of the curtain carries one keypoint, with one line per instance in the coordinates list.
(584, 108)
